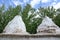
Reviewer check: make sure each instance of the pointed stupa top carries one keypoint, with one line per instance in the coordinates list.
(46, 24)
(16, 25)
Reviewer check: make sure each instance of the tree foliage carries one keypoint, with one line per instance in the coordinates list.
(49, 11)
(57, 20)
(7, 16)
(30, 20)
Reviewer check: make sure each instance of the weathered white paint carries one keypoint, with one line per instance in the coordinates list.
(30, 37)
(47, 25)
(16, 25)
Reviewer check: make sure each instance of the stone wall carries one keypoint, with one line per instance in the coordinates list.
(43, 36)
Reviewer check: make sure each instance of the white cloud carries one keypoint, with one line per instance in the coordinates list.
(26, 1)
(45, 1)
(17, 2)
(57, 5)
(1, 5)
(55, 0)
(34, 2)
(54, 3)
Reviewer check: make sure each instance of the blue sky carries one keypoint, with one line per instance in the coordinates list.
(33, 3)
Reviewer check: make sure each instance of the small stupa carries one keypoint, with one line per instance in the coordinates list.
(47, 26)
(16, 25)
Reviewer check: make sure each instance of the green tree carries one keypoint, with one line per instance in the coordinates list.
(7, 15)
(57, 17)
(1, 17)
(57, 20)
(29, 20)
(49, 11)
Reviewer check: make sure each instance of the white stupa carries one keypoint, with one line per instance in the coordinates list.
(47, 26)
(16, 25)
